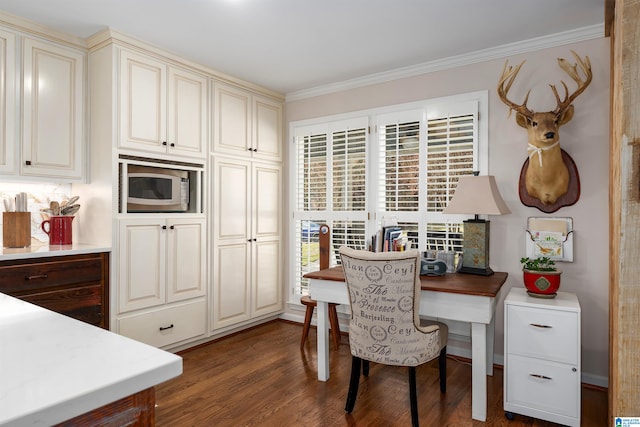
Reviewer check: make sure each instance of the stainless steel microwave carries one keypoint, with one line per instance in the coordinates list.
(156, 189)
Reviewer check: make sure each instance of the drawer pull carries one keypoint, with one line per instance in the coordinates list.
(537, 325)
(39, 276)
(543, 377)
(164, 328)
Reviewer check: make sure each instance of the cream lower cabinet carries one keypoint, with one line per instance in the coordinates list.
(247, 254)
(542, 369)
(161, 279)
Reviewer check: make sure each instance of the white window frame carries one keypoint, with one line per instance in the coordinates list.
(425, 109)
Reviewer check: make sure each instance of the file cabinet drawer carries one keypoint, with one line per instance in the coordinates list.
(543, 385)
(547, 334)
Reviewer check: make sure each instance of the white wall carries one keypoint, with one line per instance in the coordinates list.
(585, 138)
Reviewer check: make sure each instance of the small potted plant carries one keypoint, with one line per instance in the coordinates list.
(541, 277)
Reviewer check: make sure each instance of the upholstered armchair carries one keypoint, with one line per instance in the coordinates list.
(385, 326)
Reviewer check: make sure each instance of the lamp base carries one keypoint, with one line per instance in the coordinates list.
(475, 248)
(479, 271)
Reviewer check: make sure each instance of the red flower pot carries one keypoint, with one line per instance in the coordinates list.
(543, 284)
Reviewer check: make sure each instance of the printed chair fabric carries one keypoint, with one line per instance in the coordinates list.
(385, 325)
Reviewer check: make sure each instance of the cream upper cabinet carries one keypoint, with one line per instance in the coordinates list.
(163, 108)
(53, 96)
(267, 128)
(247, 253)
(7, 102)
(246, 124)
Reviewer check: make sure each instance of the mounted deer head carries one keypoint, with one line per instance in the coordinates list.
(547, 175)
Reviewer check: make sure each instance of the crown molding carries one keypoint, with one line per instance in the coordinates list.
(27, 26)
(538, 43)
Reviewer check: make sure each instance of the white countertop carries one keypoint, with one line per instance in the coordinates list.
(53, 368)
(50, 250)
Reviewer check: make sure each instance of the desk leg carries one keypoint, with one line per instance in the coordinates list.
(479, 371)
(491, 330)
(323, 340)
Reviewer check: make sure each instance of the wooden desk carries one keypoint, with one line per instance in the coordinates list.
(462, 297)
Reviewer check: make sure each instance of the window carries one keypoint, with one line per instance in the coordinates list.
(330, 188)
(399, 164)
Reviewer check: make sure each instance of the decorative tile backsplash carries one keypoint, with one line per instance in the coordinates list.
(39, 197)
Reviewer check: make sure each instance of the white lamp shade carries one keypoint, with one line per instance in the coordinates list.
(477, 195)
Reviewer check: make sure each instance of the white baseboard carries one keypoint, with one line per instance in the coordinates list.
(459, 345)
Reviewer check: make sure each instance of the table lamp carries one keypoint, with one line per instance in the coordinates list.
(477, 195)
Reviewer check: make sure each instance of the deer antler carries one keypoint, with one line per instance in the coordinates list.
(572, 70)
(508, 76)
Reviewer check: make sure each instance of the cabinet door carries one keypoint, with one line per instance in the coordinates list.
(267, 200)
(187, 113)
(231, 280)
(143, 110)
(267, 277)
(142, 255)
(266, 252)
(7, 102)
(231, 120)
(267, 129)
(186, 250)
(231, 207)
(53, 111)
(231, 187)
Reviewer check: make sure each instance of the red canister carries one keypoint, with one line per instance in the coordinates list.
(59, 229)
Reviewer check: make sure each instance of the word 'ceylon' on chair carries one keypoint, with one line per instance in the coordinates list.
(385, 326)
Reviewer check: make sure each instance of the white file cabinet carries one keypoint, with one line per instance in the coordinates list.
(542, 357)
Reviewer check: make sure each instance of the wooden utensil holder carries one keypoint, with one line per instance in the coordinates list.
(16, 229)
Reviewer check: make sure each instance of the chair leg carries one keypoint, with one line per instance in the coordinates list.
(353, 384)
(307, 323)
(365, 368)
(413, 396)
(335, 325)
(442, 365)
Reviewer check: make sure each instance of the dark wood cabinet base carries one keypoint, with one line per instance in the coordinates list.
(135, 410)
(74, 285)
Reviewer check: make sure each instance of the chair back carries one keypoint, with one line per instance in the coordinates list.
(384, 290)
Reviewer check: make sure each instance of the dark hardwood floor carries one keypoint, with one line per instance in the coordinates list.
(260, 377)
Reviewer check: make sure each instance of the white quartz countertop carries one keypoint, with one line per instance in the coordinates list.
(50, 250)
(53, 368)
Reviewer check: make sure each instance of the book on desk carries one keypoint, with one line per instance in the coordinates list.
(390, 239)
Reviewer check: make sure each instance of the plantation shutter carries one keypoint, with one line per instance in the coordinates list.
(452, 141)
(410, 167)
(399, 162)
(330, 188)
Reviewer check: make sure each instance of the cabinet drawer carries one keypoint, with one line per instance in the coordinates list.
(166, 326)
(82, 303)
(17, 279)
(546, 386)
(542, 333)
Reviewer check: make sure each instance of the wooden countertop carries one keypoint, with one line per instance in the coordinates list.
(456, 283)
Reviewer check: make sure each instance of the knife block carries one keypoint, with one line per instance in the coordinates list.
(16, 229)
